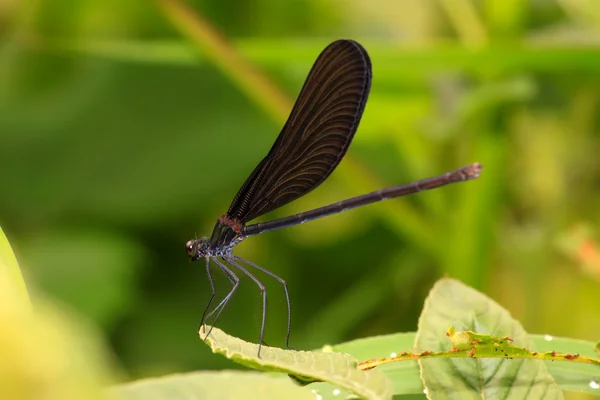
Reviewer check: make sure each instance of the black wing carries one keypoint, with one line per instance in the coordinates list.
(316, 135)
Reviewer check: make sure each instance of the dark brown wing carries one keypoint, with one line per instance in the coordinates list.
(316, 135)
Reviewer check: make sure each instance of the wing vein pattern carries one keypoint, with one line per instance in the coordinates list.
(316, 135)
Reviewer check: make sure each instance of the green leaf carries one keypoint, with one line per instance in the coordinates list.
(452, 303)
(336, 368)
(469, 344)
(405, 374)
(568, 375)
(212, 385)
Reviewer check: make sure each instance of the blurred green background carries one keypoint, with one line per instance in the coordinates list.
(126, 129)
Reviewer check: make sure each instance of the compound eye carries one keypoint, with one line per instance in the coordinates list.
(190, 248)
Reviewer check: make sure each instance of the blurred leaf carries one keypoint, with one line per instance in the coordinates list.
(587, 11)
(47, 354)
(212, 385)
(336, 368)
(395, 63)
(466, 22)
(451, 302)
(506, 18)
(9, 269)
(167, 52)
(486, 99)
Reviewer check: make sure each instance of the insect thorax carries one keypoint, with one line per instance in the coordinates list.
(204, 248)
(226, 250)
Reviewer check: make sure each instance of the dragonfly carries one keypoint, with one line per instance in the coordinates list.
(310, 146)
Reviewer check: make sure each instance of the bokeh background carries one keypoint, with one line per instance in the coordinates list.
(126, 128)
